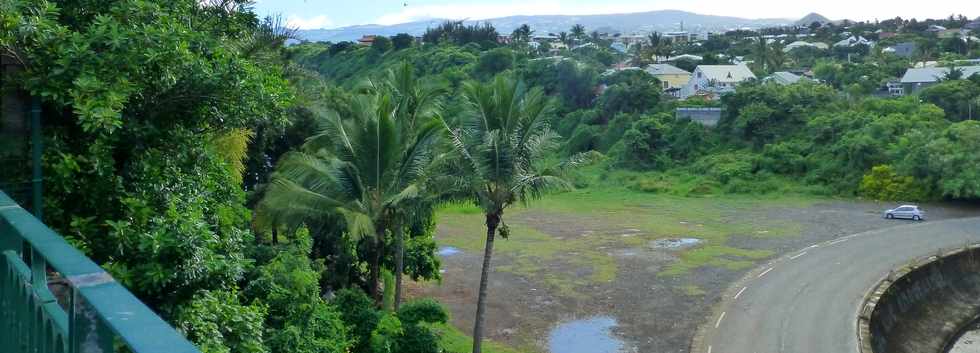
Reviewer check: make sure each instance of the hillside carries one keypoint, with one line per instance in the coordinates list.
(811, 18)
(664, 20)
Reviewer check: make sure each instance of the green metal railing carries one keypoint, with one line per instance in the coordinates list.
(91, 312)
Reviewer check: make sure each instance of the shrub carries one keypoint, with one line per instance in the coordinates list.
(882, 183)
(726, 167)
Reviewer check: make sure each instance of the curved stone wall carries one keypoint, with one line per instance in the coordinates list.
(923, 306)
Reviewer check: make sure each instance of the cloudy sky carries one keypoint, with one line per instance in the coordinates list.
(338, 13)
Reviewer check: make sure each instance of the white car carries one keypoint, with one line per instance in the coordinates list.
(912, 212)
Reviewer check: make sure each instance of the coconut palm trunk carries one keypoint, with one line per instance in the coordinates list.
(379, 245)
(399, 263)
(493, 220)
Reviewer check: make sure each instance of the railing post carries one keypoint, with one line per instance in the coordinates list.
(88, 333)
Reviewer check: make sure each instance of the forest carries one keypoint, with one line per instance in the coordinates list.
(265, 194)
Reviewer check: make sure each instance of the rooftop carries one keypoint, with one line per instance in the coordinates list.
(726, 73)
(665, 69)
(933, 74)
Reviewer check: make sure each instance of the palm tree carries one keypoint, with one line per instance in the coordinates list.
(416, 105)
(498, 143)
(595, 37)
(578, 32)
(361, 167)
(564, 38)
(521, 34)
(768, 57)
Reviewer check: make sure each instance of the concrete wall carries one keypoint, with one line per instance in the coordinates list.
(923, 306)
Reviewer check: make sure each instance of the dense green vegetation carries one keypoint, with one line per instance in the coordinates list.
(266, 198)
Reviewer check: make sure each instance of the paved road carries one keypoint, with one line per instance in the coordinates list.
(807, 301)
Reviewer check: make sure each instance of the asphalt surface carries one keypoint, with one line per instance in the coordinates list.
(807, 301)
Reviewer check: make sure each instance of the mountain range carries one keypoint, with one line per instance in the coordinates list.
(639, 22)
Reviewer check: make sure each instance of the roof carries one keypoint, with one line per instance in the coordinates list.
(685, 56)
(726, 73)
(902, 49)
(785, 78)
(665, 69)
(933, 74)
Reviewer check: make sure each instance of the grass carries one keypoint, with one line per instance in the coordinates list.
(561, 241)
(455, 341)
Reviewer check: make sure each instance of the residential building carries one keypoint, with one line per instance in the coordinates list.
(367, 39)
(973, 25)
(916, 79)
(714, 80)
(801, 44)
(634, 39)
(685, 57)
(541, 38)
(672, 78)
(620, 47)
(784, 78)
(953, 33)
(904, 50)
(895, 88)
(853, 41)
(678, 36)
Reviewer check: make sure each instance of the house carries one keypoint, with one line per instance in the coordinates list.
(916, 79)
(953, 33)
(973, 25)
(620, 47)
(685, 57)
(854, 41)
(671, 77)
(935, 28)
(801, 44)
(895, 88)
(904, 50)
(633, 39)
(784, 78)
(549, 38)
(706, 116)
(367, 39)
(678, 36)
(715, 80)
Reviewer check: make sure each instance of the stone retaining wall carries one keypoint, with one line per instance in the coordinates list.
(923, 306)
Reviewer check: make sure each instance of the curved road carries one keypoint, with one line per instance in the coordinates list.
(807, 301)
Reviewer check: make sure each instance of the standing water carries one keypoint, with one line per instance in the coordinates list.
(448, 251)
(585, 336)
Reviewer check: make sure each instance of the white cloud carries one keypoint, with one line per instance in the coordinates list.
(315, 22)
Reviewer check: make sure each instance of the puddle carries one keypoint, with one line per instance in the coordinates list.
(592, 335)
(448, 251)
(675, 243)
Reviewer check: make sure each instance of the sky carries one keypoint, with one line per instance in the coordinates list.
(311, 14)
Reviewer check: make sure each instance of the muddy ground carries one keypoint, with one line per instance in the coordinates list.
(655, 313)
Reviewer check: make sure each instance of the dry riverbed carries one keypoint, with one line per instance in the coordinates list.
(645, 268)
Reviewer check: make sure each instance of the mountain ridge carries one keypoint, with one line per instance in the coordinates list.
(659, 20)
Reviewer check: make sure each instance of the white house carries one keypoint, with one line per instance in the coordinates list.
(852, 41)
(801, 44)
(715, 80)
